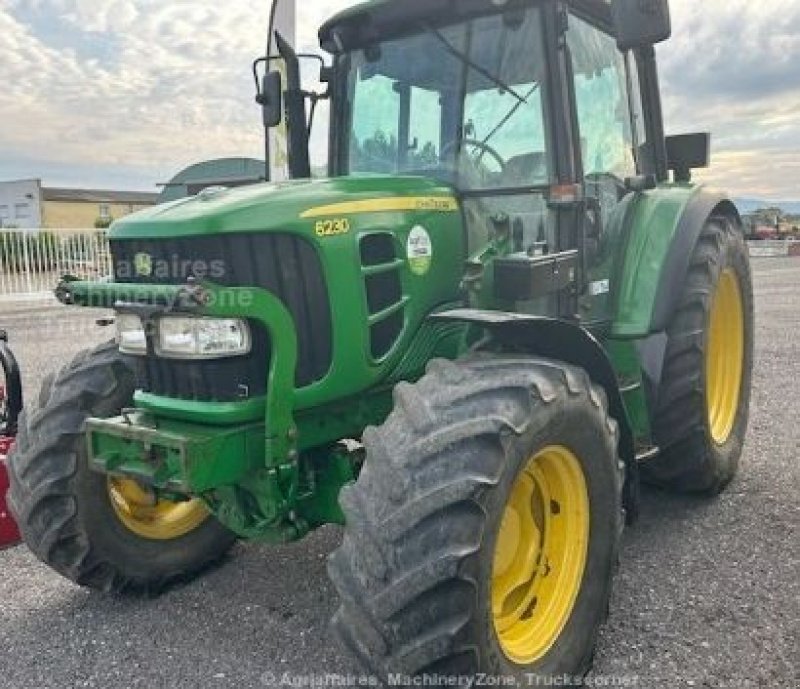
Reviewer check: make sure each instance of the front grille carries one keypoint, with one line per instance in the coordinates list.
(285, 265)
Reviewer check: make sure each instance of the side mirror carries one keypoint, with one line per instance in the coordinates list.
(271, 99)
(687, 152)
(641, 23)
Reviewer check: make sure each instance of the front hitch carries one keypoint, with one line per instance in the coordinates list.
(192, 457)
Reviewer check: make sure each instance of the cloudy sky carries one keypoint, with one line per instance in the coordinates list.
(123, 93)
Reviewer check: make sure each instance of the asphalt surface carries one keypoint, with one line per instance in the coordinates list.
(708, 594)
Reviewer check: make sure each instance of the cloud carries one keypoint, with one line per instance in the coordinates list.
(733, 68)
(136, 89)
(139, 84)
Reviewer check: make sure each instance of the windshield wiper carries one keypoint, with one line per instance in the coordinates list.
(455, 52)
(510, 114)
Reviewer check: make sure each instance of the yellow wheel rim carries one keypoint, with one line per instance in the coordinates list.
(540, 555)
(725, 357)
(155, 520)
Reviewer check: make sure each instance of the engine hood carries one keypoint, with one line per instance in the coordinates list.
(279, 206)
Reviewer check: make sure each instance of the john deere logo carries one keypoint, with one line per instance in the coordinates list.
(143, 265)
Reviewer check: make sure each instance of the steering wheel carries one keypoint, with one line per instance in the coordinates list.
(484, 149)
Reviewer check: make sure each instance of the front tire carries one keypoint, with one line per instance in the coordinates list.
(482, 535)
(101, 533)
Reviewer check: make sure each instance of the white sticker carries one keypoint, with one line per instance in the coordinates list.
(601, 287)
(420, 251)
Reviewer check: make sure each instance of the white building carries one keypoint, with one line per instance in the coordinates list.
(21, 204)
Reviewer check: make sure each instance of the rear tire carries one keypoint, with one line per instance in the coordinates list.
(698, 424)
(418, 567)
(64, 509)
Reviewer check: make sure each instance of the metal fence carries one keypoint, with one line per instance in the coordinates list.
(774, 248)
(32, 262)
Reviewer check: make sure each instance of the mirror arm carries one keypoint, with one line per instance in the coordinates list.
(256, 64)
(296, 119)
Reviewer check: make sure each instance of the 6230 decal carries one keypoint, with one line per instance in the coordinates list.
(332, 228)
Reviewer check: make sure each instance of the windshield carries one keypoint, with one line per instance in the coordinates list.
(463, 103)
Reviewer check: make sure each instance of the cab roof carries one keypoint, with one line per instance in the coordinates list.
(370, 21)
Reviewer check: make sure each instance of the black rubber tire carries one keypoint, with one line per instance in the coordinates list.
(64, 510)
(690, 460)
(414, 569)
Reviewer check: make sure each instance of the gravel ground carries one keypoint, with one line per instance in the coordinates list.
(708, 594)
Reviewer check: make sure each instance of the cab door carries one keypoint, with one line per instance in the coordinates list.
(612, 138)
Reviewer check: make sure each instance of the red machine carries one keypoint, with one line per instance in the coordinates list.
(10, 408)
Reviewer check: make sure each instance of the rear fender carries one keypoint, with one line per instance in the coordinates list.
(666, 226)
(678, 260)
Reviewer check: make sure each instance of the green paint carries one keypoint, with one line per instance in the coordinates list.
(270, 467)
(176, 457)
(324, 475)
(657, 217)
(625, 358)
(268, 439)
(242, 209)
(211, 413)
(434, 340)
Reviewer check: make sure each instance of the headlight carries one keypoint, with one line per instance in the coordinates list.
(202, 338)
(130, 334)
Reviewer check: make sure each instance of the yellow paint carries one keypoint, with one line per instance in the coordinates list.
(81, 215)
(433, 204)
(725, 357)
(540, 557)
(155, 520)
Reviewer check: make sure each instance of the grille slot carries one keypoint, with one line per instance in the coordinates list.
(384, 291)
(283, 264)
(377, 249)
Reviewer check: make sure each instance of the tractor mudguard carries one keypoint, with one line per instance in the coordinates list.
(676, 266)
(563, 341)
(666, 226)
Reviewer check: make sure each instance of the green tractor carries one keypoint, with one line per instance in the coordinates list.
(506, 306)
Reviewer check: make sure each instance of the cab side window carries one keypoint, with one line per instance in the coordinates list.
(603, 102)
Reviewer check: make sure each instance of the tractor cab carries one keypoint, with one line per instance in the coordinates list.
(470, 110)
(533, 112)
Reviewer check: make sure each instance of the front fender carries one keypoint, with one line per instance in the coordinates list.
(559, 340)
(563, 341)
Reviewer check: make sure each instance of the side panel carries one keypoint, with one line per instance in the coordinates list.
(666, 225)
(384, 276)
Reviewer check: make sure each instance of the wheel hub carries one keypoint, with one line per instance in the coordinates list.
(540, 555)
(142, 512)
